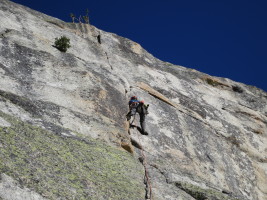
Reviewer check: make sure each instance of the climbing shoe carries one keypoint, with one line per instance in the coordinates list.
(144, 133)
(128, 117)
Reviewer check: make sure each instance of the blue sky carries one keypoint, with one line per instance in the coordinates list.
(225, 38)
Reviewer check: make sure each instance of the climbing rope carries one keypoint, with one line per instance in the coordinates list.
(144, 163)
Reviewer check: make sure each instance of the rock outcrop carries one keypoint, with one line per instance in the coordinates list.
(64, 135)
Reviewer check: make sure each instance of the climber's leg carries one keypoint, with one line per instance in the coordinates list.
(143, 124)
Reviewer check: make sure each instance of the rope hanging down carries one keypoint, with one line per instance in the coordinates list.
(148, 182)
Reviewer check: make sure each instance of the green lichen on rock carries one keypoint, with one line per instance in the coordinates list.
(203, 194)
(212, 82)
(59, 167)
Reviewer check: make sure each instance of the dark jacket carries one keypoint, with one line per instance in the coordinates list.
(142, 109)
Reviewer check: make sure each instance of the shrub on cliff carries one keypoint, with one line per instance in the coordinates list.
(62, 43)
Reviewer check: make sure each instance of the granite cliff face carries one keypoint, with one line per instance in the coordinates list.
(64, 135)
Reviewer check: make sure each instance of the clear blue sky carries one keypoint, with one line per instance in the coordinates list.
(226, 38)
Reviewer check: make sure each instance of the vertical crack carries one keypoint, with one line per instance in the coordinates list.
(142, 160)
(108, 60)
(147, 182)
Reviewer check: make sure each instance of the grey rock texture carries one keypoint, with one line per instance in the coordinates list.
(9, 189)
(207, 136)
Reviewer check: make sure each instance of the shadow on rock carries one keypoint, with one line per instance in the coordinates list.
(139, 129)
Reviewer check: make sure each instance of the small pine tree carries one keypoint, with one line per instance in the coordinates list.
(80, 19)
(62, 43)
(72, 17)
(86, 17)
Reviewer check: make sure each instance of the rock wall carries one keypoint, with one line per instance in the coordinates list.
(64, 135)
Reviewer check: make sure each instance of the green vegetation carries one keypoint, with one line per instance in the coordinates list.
(59, 167)
(86, 17)
(62, 43)
(72, 17)
(212, 82)
(203, 194)
(216, 83)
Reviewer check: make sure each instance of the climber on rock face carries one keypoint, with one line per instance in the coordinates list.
(133, 103)
(141, 109)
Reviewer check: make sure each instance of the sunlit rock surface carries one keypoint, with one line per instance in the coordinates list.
(64, 135)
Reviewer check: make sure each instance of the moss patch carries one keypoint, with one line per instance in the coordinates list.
(203, 194)
(67, 168)
(212, 82)
(215, 82)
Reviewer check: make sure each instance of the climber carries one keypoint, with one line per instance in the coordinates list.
(133, 103)
(141, 108)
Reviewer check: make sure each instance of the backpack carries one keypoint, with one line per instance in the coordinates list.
(142, 108)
